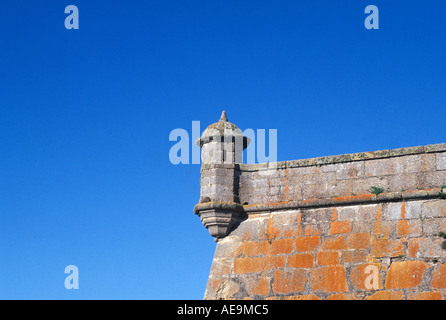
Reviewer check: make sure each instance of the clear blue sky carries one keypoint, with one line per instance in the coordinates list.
(85, 116)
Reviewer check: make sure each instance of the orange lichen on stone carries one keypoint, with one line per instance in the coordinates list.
(342, 296)
(249, 265)
(354, 198)
(385, 247)
(301, 260)
(325, 258)
(271, 231)
(355, 256)
(311, 230)
(329, 279)
(403, 228)
(255, 248)
(259, 287)
(289, 281)
(338, 227)
(359, 240)
(439, 277)
(385, 295)
(282, 246)
(305, 244)
(338, 243)
(425, 296)
(334, 214)
(275, 262)
(405, 274)
(403, 210)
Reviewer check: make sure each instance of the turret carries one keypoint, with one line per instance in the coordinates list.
(222, 146)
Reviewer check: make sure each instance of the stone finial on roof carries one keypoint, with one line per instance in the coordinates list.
(223, 117)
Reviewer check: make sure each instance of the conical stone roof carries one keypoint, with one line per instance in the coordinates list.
(222, 128)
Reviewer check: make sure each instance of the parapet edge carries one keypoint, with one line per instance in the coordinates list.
(350, 157)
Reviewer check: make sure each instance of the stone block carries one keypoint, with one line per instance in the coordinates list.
(301, 260)
(434, 179)
(359, 240)
(249, 265)
(348, 213)
(307, 244)
(412, 209)
(433, 208)
(434, 225)
(254, 229)
(367, 212)
(386, 295)
(350, 170)
(335, 243)
(424, 296)
(386, 247)
(228, 247)
(282, 246)
(441, 161)
(418, 163)
(406, 181)
(383, 167)
(326, 258)
(408, 228)
(339, 188)
(362, 186)
(318, 178)
(439, 277)
(316, 215)
(405, 274)
(255, 248)
(392, 211)
(425, 248)
(329, 279)
(339, 227)
(258, 286)
(289, 281)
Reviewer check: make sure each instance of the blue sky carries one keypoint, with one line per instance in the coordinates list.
(85, 116)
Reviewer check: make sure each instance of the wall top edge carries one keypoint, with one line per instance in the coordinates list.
(435, 193)
(351, 157)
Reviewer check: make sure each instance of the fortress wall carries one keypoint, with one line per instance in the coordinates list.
(312, 229)
(344, 176)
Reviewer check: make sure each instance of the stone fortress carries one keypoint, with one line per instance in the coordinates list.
(356, 226)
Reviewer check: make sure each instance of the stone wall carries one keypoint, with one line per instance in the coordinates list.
(344, 176)
(312, 229)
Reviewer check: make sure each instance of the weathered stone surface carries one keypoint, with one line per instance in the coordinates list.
(408, 228)
(313, 229)
(383, 167)
(441, 161)
(425, 296)
(329, 279)
(439, 277)
(407, 274)
(386, 295)
(434, 225)
(426, 247)
(289, 281)
(249, 265)
(433, 209)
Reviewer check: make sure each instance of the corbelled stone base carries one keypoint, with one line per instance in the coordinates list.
(218, 217)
